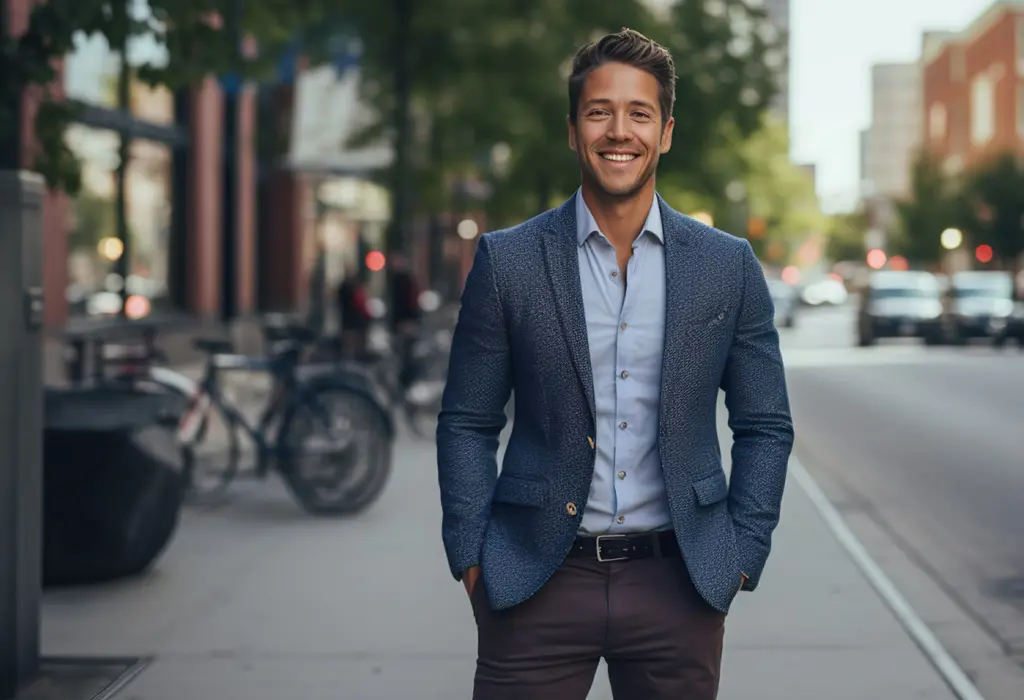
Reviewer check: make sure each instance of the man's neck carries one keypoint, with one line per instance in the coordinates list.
(621, 219)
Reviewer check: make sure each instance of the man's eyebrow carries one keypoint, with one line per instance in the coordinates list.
(607, 101)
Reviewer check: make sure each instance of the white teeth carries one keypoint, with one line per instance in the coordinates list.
(618, 157)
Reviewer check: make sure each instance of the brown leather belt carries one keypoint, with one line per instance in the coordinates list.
(642, 545)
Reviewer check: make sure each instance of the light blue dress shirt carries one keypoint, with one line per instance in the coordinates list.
(626, 335)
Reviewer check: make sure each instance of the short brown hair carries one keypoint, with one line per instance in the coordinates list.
(633, 49)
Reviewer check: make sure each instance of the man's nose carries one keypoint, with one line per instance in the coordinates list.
(618, 128)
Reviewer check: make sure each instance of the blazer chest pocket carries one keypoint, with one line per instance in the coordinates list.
(518, 491)
(718, 318)
(708, 318)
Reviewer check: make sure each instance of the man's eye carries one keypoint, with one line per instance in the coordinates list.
(641, 115)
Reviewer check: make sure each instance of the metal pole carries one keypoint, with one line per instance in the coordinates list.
(123, 265)
(403, 95)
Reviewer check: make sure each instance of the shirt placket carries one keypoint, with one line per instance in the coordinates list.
(624, 355)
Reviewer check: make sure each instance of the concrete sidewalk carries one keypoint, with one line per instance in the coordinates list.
(257, 601)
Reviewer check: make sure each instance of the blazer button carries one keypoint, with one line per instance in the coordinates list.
(570, 508)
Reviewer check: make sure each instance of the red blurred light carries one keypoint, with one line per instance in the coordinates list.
(898, 262)
(791, 275)
(136, 306)
(983, 253)
(375, 261)
(876, 258)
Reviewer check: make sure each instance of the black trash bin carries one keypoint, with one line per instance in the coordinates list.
(112, 483)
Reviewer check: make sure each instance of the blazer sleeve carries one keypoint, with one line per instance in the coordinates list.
(756, 397)
(473, 414)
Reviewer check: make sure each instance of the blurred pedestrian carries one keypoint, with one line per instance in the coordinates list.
(404, 303)
(355, 317)
(317, 316)
(611, 531)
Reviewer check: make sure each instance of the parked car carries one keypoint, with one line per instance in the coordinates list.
(785, 299)
(898, 304)
(1015, 327)
(978, 304)
(826, 291)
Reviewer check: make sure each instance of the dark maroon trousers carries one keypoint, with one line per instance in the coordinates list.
(660, 639)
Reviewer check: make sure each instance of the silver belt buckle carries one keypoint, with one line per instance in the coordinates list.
(601, 557)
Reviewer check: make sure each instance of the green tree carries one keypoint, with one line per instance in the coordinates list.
(780, 192)
(995, 196)
(935, 204)
(498, 77)
(844, 236)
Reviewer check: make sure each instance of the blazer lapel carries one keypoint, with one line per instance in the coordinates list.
(682, 272)
(561, 258)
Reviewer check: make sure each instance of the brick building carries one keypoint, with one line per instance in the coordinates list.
(206, 239)
(973, 88)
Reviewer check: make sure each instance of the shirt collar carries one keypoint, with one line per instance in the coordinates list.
(586, 224)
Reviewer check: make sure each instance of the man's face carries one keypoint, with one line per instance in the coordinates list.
(619, 134)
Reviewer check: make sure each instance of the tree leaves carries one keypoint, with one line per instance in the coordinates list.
(498, 76)
(986, 201)
(993, 194)
(483, 72)
(933, 206)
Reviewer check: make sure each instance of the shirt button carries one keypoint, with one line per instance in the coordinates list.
(624, 374)
(621, 519)
(622, 475)
(623, 326)
(615, 273)
(623, 425)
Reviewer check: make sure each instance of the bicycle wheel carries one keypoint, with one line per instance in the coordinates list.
(210, 450)
(335, 451)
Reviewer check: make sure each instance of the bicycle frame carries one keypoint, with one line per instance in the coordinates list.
(286, 391)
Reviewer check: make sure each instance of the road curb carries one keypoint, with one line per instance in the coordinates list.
(953, 675)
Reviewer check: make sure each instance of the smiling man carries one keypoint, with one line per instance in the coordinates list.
(611, 531)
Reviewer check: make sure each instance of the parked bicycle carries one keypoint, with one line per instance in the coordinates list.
(323, 428)
(417, 395)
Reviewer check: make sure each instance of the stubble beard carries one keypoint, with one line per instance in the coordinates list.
(591, 178)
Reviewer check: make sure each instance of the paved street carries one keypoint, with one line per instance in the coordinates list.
(923, 450)
(257, 601)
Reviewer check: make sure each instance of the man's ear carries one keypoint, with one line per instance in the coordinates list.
(666, 135)
(572, 131)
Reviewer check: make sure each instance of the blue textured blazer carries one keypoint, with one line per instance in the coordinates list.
(521, 328)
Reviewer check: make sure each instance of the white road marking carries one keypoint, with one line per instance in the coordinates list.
(911, 621)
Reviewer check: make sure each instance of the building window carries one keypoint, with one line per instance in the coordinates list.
(121, 265)
(937, 122)
(957, 65)
(983, 117)
(95, 250)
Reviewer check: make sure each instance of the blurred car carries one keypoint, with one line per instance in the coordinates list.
(1015, 326)
(898, 304)
(828, 290)
(784, 297)
(979, 304)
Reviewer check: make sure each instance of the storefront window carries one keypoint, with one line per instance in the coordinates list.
(95, 248)
(148, 195)
(91, 72)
